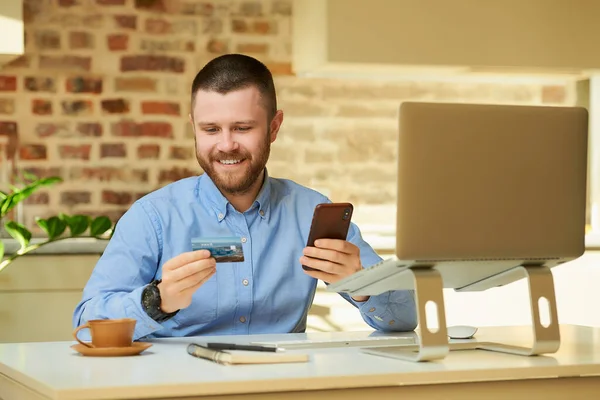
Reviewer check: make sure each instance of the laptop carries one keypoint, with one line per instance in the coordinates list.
(482, 189)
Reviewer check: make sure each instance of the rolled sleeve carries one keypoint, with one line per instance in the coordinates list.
(129, 262)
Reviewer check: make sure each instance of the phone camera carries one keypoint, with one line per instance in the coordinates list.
(346, 214)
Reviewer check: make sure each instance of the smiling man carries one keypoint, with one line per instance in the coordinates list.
(149, 271)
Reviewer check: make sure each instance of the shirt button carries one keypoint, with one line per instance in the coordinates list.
(244, 240)
(242, 319)
(245, 282)
(262, 213)
(220, 216)
(371, 309)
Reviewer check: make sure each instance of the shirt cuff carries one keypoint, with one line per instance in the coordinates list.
(133, 308)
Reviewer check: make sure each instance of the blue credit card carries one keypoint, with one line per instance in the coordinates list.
(222, 249)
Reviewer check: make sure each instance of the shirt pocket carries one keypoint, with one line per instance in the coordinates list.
(203, 308)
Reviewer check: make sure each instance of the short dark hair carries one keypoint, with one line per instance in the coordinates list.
(232, 72)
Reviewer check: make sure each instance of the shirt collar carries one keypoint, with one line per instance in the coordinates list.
(207, 190)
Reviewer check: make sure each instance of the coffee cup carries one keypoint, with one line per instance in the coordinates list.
(108, 332)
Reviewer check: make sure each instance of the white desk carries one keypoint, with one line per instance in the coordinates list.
(54, 371)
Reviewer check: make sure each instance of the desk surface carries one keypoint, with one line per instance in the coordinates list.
(54, 371)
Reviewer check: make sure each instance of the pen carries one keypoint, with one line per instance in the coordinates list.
(233, 346)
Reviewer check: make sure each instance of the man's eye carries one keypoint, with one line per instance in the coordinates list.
(210, 130)
(244, 128)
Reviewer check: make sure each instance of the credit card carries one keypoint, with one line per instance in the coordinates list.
(222, 249)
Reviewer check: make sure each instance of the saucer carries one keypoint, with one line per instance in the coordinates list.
(134, 349)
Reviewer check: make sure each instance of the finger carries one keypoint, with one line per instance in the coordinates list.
(326, 254)
(190, 269)
(342, 246)
(194, 281)
(322, 265)
(324, 276)
(186, 258)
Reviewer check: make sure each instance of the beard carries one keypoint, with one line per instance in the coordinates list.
(239, 181)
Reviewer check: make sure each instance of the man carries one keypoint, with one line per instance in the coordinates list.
(150, 273)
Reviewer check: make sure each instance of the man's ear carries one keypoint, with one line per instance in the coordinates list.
(276, 124)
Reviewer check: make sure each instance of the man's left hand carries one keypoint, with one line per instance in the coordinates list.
(332, 260)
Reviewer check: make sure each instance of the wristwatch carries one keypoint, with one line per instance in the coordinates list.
(151, 303)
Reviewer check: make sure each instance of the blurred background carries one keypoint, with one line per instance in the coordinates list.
(97, 92)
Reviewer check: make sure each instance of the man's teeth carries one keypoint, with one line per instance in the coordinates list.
(230, 161)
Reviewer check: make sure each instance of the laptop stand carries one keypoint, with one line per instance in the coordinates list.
(428, 285)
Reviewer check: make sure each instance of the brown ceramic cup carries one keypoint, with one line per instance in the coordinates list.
(108, 332)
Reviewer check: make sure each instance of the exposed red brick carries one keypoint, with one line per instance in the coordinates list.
(46, 129)
(217, 46)
(47, 40)
(148, 151)
(113, 197)
(67, 3)
(126, 21)
(204, 8)
(135, 85)
(111, 2)
(7, 106)
(41, 107)
(181, 152)
(264, 27)
(81, 40)
(148, 129)
(80, 84)
(72, 198)
(282, 7)
(152, 63)
(152, 5)
(554, 94)
(38, 198)
(281, 68)
(175, 174)
(23, 61)
(93, 129)
(8, 83)
(157, 26)
(160, 107)
(115, 106)
(251, 9)
(77, 107)
(32, 152)
(109, 174)
(253, 48)
(118, 150)
(117, 42)
(239, 26)
(8, 128)
(40, 84)
(75, 63)
(45, 172)
(93, 20)
(81, 152)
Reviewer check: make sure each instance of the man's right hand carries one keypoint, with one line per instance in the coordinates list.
(182, 276)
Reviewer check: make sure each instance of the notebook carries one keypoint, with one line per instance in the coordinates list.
(230, 357)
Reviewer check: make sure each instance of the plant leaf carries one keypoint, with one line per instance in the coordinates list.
(100, 225)
(54, 226)
(19, 232)
(77, 223)
(13, 198)
(1, 250)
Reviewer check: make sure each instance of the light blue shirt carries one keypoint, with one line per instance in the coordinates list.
(266, 293)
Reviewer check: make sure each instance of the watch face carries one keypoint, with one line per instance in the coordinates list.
(150, 297)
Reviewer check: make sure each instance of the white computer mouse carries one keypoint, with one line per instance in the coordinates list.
(461, 331)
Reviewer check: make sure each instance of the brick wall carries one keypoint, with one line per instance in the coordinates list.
(101, 99)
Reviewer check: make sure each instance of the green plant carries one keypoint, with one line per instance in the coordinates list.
(57, 228)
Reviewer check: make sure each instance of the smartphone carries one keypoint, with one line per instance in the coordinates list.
(330, 221)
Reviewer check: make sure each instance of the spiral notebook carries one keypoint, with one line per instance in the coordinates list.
(230, 357)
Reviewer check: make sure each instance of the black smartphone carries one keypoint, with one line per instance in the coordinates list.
(330, 221)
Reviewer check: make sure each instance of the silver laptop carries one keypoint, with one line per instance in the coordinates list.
(482, 189)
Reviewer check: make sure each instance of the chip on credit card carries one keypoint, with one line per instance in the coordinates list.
(222, 249)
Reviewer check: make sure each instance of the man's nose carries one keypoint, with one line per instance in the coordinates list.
(227, 143)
